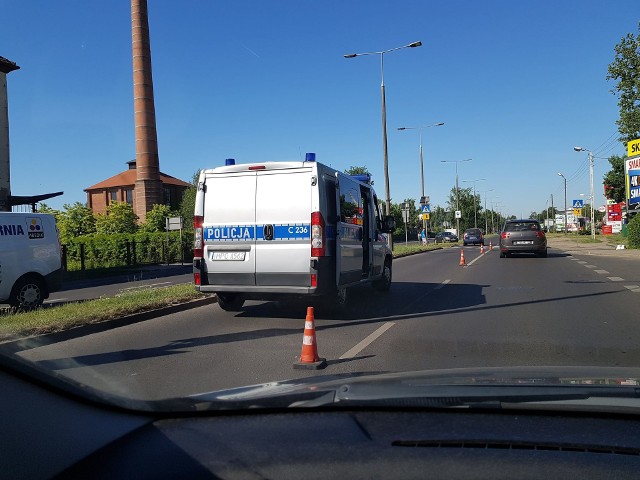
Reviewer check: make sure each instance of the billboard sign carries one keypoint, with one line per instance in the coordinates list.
(632, 180)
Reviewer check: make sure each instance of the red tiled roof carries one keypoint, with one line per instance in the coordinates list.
(128, 177)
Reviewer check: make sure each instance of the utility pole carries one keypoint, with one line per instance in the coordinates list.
(554, 214)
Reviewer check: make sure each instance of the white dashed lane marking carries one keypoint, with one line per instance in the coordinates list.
(631, 288)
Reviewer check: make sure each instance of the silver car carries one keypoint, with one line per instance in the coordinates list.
(523, 236)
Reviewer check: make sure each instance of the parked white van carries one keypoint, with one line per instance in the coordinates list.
(30, 260)
(276, 229)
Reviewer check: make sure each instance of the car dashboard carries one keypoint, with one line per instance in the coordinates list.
(49, 433)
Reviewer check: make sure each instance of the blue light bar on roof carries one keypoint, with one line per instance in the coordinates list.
(229, 161)
(310, 157)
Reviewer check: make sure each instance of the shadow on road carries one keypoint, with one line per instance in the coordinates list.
(366, 309)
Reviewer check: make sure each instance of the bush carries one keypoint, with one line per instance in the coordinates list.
(633, 232)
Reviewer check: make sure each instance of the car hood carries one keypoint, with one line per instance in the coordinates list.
(440, 388)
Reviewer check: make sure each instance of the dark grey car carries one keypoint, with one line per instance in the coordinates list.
(446, 237)
(522, 236)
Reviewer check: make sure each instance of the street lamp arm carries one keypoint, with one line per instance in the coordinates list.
(423, 126)
(410, 45)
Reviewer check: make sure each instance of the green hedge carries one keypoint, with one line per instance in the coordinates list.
(119, 250)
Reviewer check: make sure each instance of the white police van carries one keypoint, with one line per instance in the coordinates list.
(30, 260)
(275, 229)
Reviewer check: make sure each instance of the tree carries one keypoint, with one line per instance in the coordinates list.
(625, 69)
(120, 218)
(414, 224)
(469, 207)
(155, 220)
(359, 171)
(439, 219)
(44, 208)
(188, 202)
(614, 179)
(76, 220)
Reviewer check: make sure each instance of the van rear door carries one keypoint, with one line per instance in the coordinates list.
(349, 240)
(283, 227)
(229, 231)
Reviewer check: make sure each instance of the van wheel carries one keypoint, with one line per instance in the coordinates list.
(27, 293)
(230, 302)
(384, 282)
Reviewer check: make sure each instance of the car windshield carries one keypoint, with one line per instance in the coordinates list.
(222, 201)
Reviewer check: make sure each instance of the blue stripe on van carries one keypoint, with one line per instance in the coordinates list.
(231, 233)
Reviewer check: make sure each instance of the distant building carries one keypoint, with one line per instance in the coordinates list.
(121, 188)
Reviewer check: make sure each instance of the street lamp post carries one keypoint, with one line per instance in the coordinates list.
(424, 222)
(486, 227)
(580, 149)
(384, 121)
(457, 190)
(475, 206)
(565, 202)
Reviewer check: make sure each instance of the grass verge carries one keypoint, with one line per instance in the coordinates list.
(402, 250)
(55, 319)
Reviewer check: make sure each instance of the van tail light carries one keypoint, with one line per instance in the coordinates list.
(197, 236)
(196, 278)
(504, 235)
(317, 235)
(540, 234)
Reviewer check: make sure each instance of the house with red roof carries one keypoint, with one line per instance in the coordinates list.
(120, 188)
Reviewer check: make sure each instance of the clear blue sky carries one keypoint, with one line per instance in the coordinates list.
(518, 84)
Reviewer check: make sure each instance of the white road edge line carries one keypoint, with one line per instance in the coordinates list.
(633, 288)
(602, 272)
(367, 341)
(616, 279)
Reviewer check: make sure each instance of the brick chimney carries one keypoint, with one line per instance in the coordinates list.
(148, 187)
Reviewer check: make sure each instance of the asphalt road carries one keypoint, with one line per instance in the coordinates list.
(565, 309)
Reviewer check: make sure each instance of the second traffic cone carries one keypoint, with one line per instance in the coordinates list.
(309, 358)
(490, 246)
(462, 262)
(481, 248)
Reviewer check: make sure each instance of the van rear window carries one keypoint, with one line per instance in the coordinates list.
(521, 227)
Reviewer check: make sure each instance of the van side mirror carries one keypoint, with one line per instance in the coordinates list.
(388, 224)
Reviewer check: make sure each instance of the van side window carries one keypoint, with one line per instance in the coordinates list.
(350, 203)
(377, 213)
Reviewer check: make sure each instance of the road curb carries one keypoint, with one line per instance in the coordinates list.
(408, 254)
(18, 343)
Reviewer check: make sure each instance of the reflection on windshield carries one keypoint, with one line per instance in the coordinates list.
(265, 170)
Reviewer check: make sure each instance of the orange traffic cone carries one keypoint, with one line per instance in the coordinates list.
(481, 248)
(490, 246)
(309, 358)
(462, 262)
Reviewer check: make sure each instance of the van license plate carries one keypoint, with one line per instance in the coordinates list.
(228, 256)
(524, 242)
